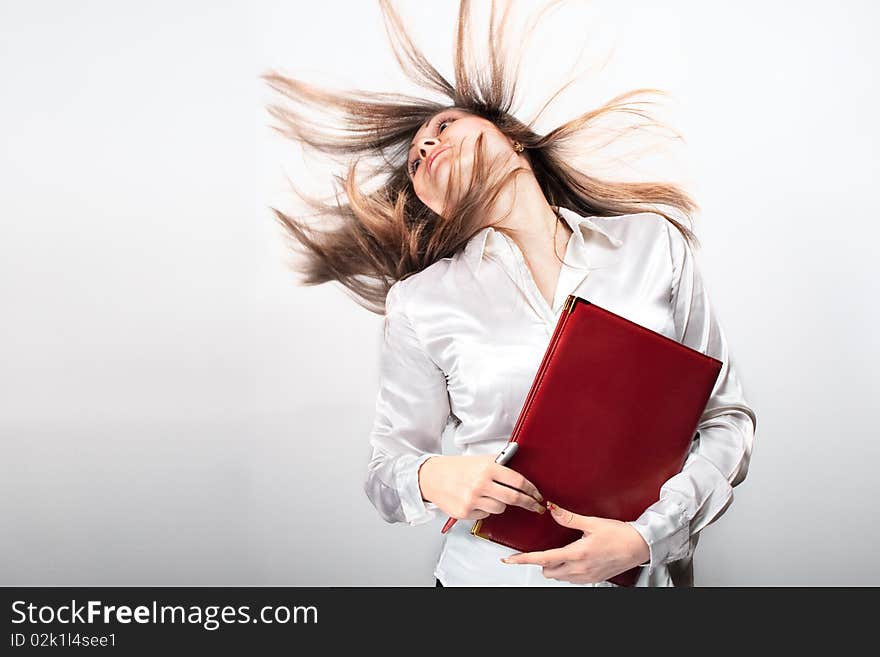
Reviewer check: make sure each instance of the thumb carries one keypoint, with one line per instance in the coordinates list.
(568, 518)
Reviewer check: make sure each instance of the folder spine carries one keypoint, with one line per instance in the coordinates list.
(567, 310)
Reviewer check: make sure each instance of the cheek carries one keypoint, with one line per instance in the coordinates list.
(494, 146)
(460, 159)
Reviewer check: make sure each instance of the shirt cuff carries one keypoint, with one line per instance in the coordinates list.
(415, 510)
(666, 529)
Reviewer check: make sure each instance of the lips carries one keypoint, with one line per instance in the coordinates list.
(434, 157)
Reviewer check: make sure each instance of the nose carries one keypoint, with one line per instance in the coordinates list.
(426, 148)
(428, 145)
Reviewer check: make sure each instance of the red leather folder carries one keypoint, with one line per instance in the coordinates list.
(610, 416)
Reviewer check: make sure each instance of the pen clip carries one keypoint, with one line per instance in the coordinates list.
(507, 453)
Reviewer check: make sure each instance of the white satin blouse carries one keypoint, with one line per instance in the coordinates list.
(462, 342)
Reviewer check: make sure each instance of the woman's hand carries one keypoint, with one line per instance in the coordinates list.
(474, 486)
(608, 548)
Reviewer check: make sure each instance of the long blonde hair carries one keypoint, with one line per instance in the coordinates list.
(385, 235)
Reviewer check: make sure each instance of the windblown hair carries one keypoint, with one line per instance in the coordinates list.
(385, 235)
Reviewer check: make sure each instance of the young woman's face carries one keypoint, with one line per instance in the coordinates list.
(448, 137)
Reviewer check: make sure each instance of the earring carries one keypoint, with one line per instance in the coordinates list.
(518, 147)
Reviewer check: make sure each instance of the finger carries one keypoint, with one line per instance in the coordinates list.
(504, 475)
(545, 558)
(563, 570)
(516, 497)
(489, 505)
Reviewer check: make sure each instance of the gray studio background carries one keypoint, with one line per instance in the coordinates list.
(175, 411)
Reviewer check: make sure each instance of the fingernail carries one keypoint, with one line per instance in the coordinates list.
(505, 560)
(551, 506)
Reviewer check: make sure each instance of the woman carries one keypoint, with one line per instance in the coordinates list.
(472, 278)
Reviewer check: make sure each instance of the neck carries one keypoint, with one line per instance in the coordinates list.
(531, 218)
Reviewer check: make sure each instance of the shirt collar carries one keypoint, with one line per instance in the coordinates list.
(476, 247)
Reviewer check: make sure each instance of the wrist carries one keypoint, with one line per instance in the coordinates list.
(642, 551)
(422, 480)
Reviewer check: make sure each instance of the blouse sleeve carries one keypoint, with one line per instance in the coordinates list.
(412, 409)
(719, 455)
